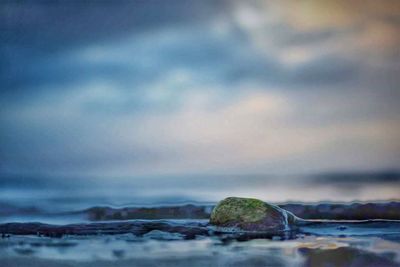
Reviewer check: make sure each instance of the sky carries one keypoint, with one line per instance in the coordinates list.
(189, 87)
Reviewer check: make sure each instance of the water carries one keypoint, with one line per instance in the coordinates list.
(27, 198)
(147, 221)
(158, 248)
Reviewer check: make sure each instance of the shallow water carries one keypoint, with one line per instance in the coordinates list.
(57, 199)
(134, 222)
(158, 248)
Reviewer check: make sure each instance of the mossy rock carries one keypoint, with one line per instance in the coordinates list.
(251, 215)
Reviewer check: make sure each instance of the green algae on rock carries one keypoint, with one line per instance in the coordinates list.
(251, 215)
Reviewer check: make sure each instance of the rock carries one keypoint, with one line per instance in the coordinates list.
(251, 215)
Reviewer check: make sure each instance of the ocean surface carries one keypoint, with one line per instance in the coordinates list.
(152, 221)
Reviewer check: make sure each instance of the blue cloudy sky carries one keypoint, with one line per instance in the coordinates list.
(175, 87)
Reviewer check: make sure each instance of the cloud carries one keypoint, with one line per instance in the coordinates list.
(60, 25)
(266, 130)
(137, 87)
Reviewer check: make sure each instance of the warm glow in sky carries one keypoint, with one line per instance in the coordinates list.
(161, 87)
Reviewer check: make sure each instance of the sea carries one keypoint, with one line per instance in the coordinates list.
(48, 220)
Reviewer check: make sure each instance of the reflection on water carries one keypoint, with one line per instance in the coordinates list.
(153, 250)
(120, 239)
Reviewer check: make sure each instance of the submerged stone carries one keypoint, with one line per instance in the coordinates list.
(251, 215)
